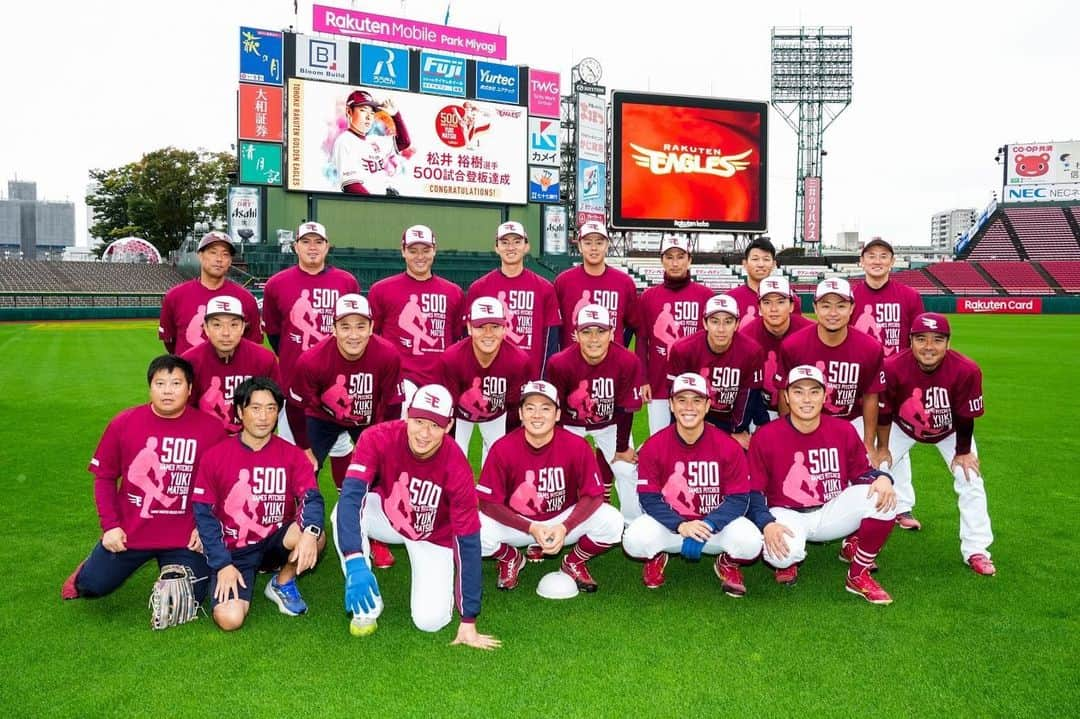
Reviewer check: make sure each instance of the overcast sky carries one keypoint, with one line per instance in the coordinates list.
(938, 85)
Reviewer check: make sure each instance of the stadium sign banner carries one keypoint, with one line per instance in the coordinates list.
(591, 195)
(382, 66)
(544, 184)
(442, 74)
(1042, 163)
(244, 210)
(1041, 193)
(554, 230)
(400, 31)
(999, 305)
(544, 97)
(320, 58)
(592, 128)
(459, 150)
(497, 83)
(812, 209)
(261, 56)
(260, 163)
(259, 113)
(688, 163)
(544, 142)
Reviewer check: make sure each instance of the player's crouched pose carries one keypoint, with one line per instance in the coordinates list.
(257, 506)
(820, 486)
(408, 485)
(541, 485)
(694, 487)
(153, 450)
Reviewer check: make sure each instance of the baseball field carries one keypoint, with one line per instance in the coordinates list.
(953, 644)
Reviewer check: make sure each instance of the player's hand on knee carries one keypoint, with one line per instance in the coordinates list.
(886, 495)
(882, 459)
(968, 462)
(115, 540)
(229, 579)
(691, 548)
(360, 586)
(775, 543)
(646, 393)
(554, 539)
(696, 529)
(630, 455)
(468, 636)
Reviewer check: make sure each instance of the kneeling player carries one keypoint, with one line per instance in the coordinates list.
(257, 507)
(820, 486)
(694, 486)
(153, 450)
(541, 485)
(933, 395)
(408, 484)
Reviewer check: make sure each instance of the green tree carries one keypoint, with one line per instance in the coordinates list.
(161, 196)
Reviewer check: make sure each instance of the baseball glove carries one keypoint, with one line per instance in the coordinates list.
(172, 600)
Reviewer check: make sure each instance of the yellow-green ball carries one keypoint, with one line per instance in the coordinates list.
(362, 630)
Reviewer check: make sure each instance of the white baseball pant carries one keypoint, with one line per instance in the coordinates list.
(659, 415)
(408, 389)
(490, 431)
(432, 581)
(625, 472)
(605, 525)
(835, 519)
(645, 538)
(976, 535)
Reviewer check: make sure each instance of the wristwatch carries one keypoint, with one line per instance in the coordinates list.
(313, 531)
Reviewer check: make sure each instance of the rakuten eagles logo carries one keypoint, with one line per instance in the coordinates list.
(690, 159)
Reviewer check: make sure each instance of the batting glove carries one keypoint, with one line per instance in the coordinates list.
(360, 586)
(691, 548)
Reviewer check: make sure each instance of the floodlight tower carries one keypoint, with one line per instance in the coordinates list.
(811, 81)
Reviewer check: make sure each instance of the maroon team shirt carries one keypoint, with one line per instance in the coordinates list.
(886, 313)
(156, 460)
(298, 307)
(539, 484)
(530, 306)
(731, 374)
(254, 493)
(421, 318)
(692, 478)
(666, 315)
(216, 379)
(590, 394)
(747, 300)
(924, 404)
(853, 369)
(183, 311)
(483, 393)
(431, 499)
(770, 347)
(612, 289)
(802, 471)
(350, 393)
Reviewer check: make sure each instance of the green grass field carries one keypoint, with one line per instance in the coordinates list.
(953, 644)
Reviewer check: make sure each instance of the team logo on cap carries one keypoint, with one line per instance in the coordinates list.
(225, 305)
(485, 308)
(350, 304)
(592, 315)
(930, 323)
(431, 400)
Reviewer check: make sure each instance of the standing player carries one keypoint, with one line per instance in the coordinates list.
(820, 486)
(933, 395)
(365, 162)
(408, 485)
(774, 324)
(668, 312)
(532, 311)
(184, 306)
(419, 312)
(541, 485)
(598, 385)
(484, 375)
(695, 488)
(225, 360)
(731, 364)
(257, 507)
(885, 310)
(759, 262)
(142, 470)
(298, 312)
(594, 282)
(346, 383)
(851, 362)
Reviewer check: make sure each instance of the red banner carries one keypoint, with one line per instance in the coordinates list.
(811, 209)
(1000, 305)
(260, 113)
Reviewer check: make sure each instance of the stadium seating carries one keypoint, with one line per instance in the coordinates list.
(1017, 278)
(995, 244)
(42, 276)
(1065, 272)
(1044, 232)
(918, 280)
(961, 278)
